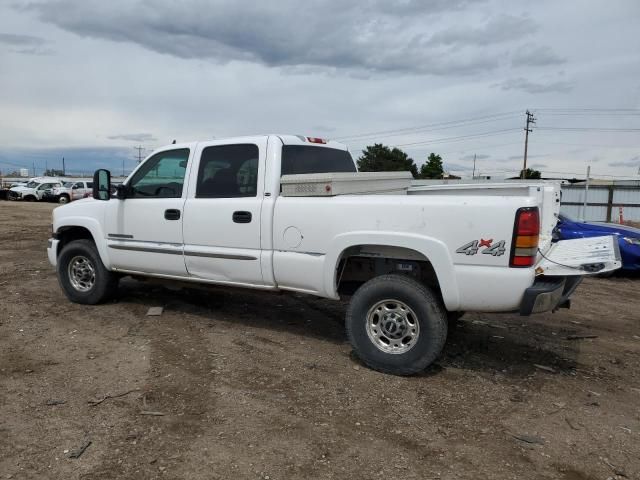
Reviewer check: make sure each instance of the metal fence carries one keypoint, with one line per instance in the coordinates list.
(605, 203)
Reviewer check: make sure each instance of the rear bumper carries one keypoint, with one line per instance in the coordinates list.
(548, 294)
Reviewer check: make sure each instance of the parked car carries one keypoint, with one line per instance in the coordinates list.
(35, 189)
(268, 212)
(628, 238)
(69, 191)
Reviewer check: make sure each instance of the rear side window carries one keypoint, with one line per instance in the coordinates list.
(298, 159)
(228, 171)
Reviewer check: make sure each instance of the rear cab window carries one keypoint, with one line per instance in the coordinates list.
(301, 159)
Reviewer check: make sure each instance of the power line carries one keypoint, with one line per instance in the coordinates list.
(447, 124)
(458, 138)
(591, 129)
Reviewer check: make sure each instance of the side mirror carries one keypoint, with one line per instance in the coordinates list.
(102, 185)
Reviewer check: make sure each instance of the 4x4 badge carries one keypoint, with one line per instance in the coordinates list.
(471, 248)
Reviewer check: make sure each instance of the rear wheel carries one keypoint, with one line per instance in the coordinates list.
(82, 275)
(396, 325)
(63, 199)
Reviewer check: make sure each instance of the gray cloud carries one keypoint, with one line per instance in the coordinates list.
(538, 166)
(528, 86)
(499, 29)
(632, 162)
(26, 44)
(134, 137)
(535, 56)
(372, 35)
(479, 156)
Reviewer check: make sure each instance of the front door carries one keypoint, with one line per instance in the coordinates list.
(144, 231)
(222, 212)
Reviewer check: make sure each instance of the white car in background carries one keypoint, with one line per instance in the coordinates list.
(70, 191)
(35, 189)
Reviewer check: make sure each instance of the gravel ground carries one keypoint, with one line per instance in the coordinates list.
(243, 384)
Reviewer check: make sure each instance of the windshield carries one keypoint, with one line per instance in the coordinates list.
(303, 159)
(67, 184)
(32, 184)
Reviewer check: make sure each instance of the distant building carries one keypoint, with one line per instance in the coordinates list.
(24, 172)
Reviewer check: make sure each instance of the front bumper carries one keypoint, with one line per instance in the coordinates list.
(52, 251)
(549, 294)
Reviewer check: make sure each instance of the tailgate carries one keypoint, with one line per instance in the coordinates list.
(581, 256)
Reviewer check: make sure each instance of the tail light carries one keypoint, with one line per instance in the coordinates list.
(316, 140)
(526, 231)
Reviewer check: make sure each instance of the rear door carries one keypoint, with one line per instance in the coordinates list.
(222, 211)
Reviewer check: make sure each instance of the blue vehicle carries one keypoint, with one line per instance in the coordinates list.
(628, 237)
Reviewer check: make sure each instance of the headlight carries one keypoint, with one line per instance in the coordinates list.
(632, 240)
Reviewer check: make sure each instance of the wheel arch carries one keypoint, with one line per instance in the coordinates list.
(71, 230)
(395, 246)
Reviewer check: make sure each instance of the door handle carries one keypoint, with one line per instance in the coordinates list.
(242, 217)
(172, 214)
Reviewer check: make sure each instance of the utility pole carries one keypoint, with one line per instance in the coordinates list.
(33, 164)
(123, 168)
(140, 149)
(530, 120)
(63, 169)
(46, 167)
(473, 176)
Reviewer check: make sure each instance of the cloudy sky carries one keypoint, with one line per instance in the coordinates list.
(91, 79)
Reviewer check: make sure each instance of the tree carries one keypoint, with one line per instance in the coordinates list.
(52, 172)
(380, 158)
(531, 174)
(433, 167)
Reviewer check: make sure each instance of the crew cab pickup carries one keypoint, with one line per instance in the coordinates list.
(280, 212)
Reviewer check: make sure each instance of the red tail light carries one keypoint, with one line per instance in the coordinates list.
(316, 140)
(524, 247)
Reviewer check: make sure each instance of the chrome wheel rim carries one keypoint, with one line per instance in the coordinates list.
(82, 274)
(393, 326)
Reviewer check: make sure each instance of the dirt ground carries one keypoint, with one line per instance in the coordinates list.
(256, 385)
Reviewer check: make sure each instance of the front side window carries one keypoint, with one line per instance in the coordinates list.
(161, 176)
(228, 171)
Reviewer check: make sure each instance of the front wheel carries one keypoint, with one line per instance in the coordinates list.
(396, 325)
(63, 199)
(82, 275)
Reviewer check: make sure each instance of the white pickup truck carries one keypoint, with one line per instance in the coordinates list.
(35, 189)
(265, 212)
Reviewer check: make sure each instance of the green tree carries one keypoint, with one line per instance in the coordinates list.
(433, 167)
(380, 158)
(531, 174)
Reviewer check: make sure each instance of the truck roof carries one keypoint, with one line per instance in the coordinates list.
(285, 139)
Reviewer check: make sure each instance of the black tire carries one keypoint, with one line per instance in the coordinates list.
(64, 199)
(429, 312)
(105, 283)
(453, 317)
(29, 198)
